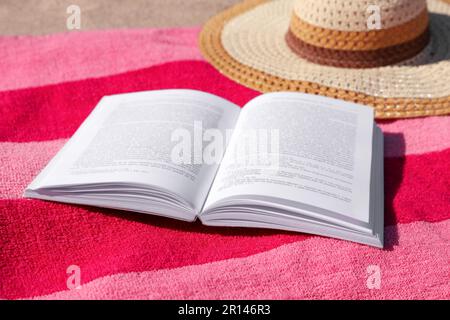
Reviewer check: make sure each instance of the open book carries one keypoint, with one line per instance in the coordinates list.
(287, 161)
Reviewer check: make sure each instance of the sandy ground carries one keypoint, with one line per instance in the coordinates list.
(19, 17)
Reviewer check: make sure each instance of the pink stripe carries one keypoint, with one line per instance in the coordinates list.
(416, 136)
(21, 162)
(30, 61)
(414, 266)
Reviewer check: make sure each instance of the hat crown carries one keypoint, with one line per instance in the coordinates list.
(358, 33)
(357, 15)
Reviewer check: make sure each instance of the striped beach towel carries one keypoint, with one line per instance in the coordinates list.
(50, 83)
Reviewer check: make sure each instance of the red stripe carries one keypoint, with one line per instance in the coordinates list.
(41, 239)
(56, 111)
(417, 188)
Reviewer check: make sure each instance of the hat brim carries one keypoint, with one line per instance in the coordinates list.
(246, 43)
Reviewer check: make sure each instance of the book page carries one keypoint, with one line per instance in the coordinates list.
(318, 153)
(136, 137)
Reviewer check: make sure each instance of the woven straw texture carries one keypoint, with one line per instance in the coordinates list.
(351, 15)
(247, 43)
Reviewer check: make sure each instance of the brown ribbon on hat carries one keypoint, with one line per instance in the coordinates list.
(358, 59)
(363, 49)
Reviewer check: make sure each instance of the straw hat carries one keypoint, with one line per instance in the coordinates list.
(399, 64)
